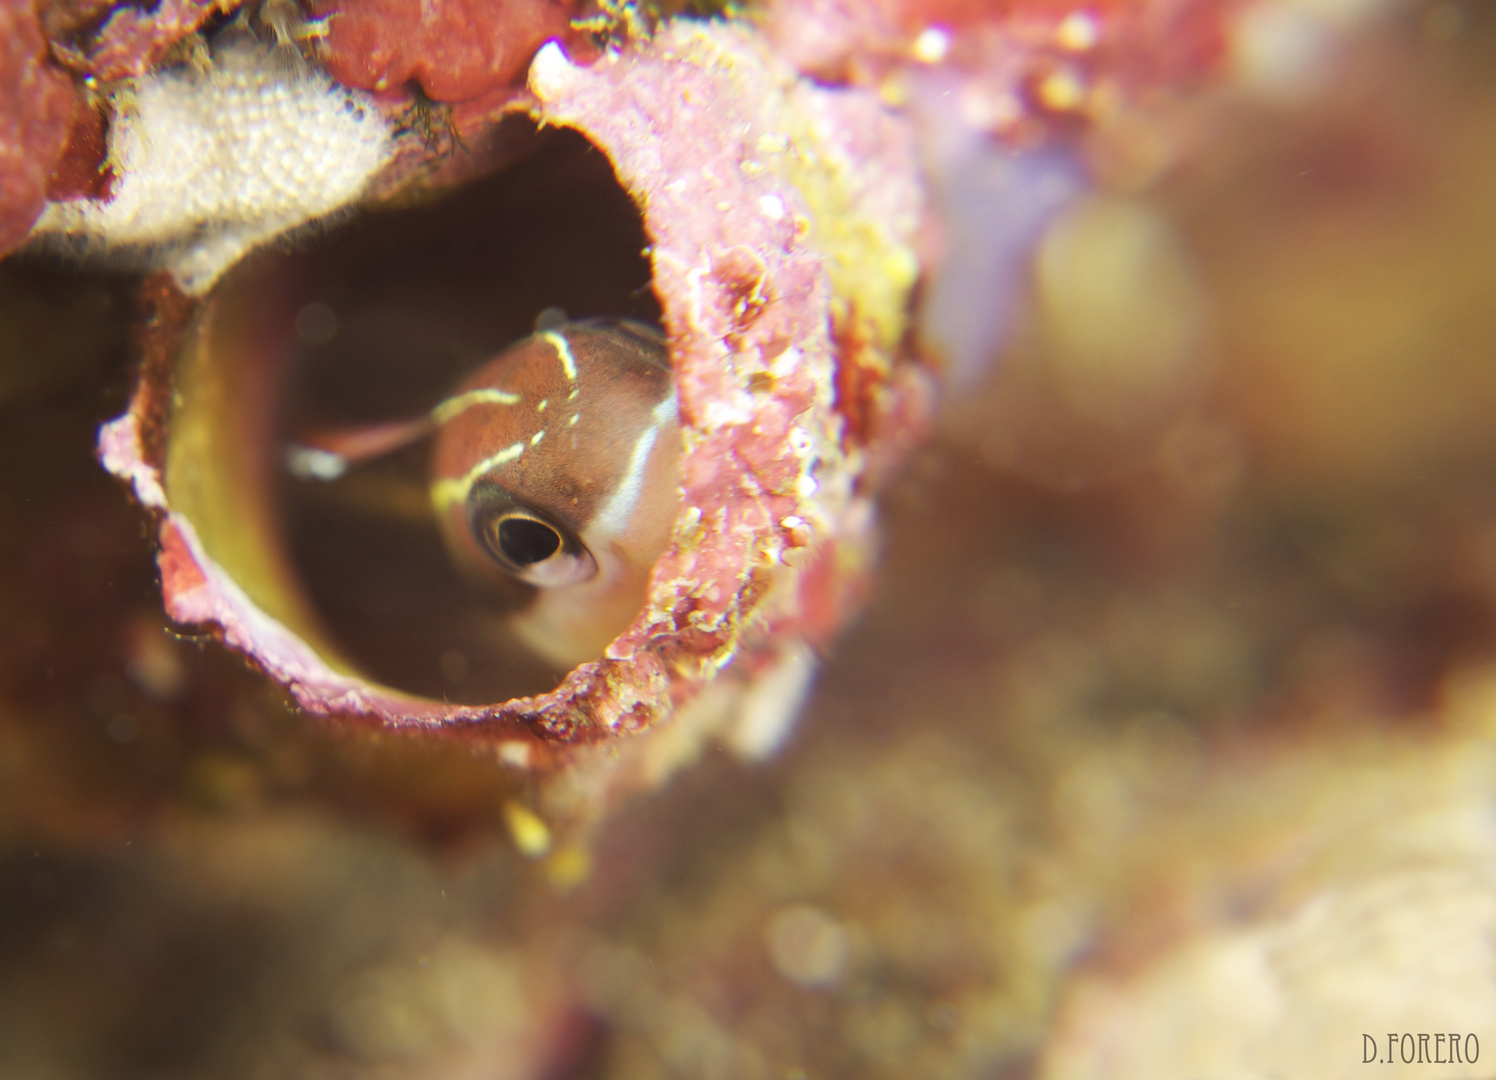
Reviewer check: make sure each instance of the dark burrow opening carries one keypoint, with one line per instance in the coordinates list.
(392, 310)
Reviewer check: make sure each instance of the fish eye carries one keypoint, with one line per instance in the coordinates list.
(527, 542)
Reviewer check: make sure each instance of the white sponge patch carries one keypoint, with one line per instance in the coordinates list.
(211, 164)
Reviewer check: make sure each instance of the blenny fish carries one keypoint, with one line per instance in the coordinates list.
(555, 464)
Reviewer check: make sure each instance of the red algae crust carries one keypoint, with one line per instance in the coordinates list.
(455, 51)
(781, 217)
(36, 112)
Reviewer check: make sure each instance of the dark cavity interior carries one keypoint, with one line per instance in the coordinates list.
(396, 307)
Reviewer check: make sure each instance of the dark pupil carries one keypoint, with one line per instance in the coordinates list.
(525, 542)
